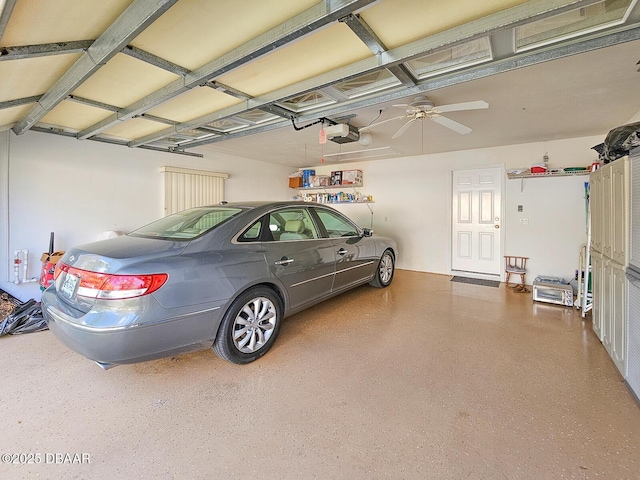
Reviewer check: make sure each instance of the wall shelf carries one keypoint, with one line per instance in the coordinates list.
(329, 187)
(345, 203)
(547, 174)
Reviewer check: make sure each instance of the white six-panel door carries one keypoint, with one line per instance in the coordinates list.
(477, 223)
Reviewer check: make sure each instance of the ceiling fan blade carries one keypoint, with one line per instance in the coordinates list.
(404, 128)
(453, 125)
(369, 127)
(456, 107)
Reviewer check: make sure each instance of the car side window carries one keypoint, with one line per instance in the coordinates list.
(252, 234)
(336, 225)
(292, 224)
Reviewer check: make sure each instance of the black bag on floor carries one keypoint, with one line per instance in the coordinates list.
(26, 318)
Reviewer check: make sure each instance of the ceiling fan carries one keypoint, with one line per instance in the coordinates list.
(422, 108)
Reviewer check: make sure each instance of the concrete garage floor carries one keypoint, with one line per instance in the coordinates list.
(428, 379)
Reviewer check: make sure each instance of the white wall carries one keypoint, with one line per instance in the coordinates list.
(79, 189)
(413, 204)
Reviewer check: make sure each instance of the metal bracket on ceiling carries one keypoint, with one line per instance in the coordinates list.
(320, 120)
(277, 110)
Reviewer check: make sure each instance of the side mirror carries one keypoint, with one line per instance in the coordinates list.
(367, 232)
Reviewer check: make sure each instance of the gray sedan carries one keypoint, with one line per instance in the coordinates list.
(222, 276)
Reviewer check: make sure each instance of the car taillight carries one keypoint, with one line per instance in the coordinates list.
(112, 287)
(58, 270)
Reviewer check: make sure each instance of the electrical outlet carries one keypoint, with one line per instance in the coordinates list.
(524, 221)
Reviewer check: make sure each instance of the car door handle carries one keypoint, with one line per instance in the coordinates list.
(284, 261)
(342, 251)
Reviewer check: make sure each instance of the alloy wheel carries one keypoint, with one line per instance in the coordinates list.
(254, 325)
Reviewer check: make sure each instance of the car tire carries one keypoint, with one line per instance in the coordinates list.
(384, 271)
(249, 327)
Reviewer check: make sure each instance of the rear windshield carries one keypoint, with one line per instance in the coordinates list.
(187, 224)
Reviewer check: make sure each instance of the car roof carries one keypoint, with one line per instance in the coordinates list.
(261, 205)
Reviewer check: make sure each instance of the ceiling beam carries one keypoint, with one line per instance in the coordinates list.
(503, 20)
(113, 141)
(5, 13)
(274, 109)
(402, 73)
(18, 102)
(156, 119)
(154, 60)
(321, 14)
(137, 16)
(31, 51)
(221, 87)
(92, 103)
(366, 34)
(486, 70)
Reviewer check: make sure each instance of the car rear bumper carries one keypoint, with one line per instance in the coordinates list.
(109, 337)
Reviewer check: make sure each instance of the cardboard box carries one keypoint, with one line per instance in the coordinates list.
(352, 177)
(320, 181)
(295, 182)
(52, 259)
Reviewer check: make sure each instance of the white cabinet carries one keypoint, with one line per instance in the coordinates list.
(597, 272)
(607, 305)
(620, 211)
(595, 201)
(614, 313)
(609, 199)
(606, 203)
(618, 316)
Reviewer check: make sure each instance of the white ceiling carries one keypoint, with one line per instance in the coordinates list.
(161, 74)
(582, 95)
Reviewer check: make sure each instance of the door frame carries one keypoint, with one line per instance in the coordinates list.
(503, 223)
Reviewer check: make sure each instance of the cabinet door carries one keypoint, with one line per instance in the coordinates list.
(597, 290)
(607, 304)
(618, 316)
(595, 205)
(634, 210)
(620, 210)
(607, 205)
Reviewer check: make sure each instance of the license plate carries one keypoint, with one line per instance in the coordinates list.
(69, 285)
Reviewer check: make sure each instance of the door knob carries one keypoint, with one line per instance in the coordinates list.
(497, 226)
